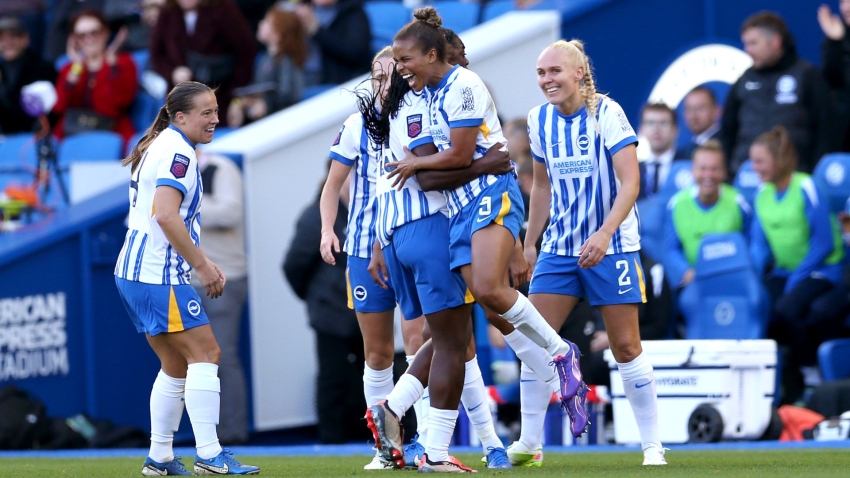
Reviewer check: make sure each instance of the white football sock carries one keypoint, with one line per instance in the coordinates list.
(535, 358)
(441, 427)
(476, 403)
(425, 404)
(166, 412)
(377, 384)
(203, 390)
(534, 401)
(406, 392)
(528, 320)
(639, 384)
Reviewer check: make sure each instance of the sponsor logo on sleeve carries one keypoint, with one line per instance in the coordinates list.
(179, 166)
(414, 125)
(468, 99)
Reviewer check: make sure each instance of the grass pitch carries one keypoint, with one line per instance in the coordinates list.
(807, 463)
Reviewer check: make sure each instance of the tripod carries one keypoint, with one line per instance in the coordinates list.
(48, 161)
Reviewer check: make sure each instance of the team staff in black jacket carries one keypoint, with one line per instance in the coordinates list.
(779, 89)
(339, 344)
(835, 60)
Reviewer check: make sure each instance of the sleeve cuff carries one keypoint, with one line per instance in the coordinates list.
(537, 158)
(170, 182)
(465, 123)
(342, 159)
(419, 142)
(622, 144)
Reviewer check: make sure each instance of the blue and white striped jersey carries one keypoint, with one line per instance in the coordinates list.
(396, 208)
(461, 100)
(581, 174)
(353, 147)
(147, 256)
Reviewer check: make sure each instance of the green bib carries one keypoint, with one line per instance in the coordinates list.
(692, 222)
(785, 225)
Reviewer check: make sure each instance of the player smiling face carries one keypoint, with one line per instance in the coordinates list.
(198, 124)
(414, 65)
(559, 78)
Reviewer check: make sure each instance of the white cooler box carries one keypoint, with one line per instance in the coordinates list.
(707, 390)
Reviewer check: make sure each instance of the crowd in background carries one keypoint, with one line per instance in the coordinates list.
(262, 55)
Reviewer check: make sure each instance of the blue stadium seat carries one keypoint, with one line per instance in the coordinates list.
(312, 91)
(726, 300)
(17, 150)
(680, 177)
(93, 146)
(833, 174)
(459, 16)
(651, 213)
(132, 143)
(497, 8)
(140, 58)
(834, 359)
(144, 110)
(386, 18)
(747, 181)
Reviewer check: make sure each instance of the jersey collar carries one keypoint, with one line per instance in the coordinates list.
(171, 126)
(445, 79)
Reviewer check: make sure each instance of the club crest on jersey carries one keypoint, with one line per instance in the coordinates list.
(179, 166)
(339, 135)
(583, 142)
(414, 125)
(468, 99)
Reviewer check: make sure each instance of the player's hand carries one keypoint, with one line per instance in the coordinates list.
(181, 74)
(212, 279)
(518, 266)
(688, 277)
(496, 161)
(402, 170)
(599, 341)
(831, 24)
(530, 254)
(593, 250)
(329, 246)
(378, 268)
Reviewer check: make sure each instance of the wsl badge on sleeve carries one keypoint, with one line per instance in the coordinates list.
(179, 166)
(338, 136)
(414, 125)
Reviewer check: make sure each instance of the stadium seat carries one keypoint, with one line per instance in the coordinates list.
(17, 150)
(459, 16)
(132, 143)
(726, 300)
(747, 181)
(144, 110)
(93, 146)
(651, 213)
(386, 18)
(680, 177)
(497, 8)
(833, 174)
(834, 359)
(140, 58)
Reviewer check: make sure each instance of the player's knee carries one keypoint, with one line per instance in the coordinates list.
(412, 344)
(624, 349)
(379, 358)
(212, 354)
(488, 294)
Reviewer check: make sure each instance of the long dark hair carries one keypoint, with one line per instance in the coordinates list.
(180, 98)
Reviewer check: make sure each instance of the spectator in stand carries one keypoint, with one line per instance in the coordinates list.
(223, 230)
(31, 15)
(340, 40)
(339, 343)
(794, 230)
(254, 11)
(96, 88)
(208, 41)
(19, 67)
(779, 89)
(709, 206)
(660, 126)
(701, 117)
(59, 27)
(835, 60)
(278, 78)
